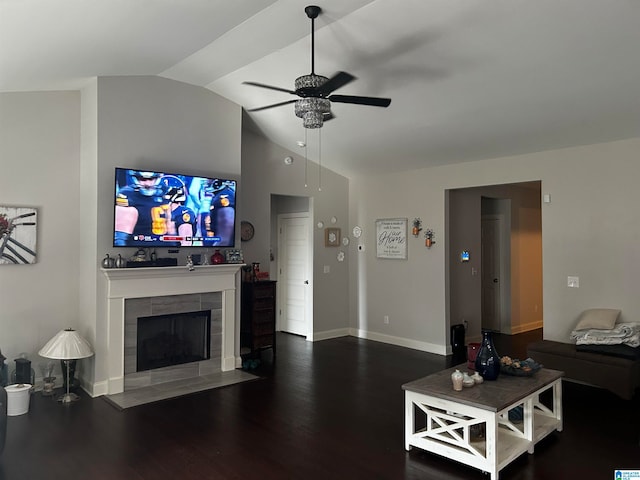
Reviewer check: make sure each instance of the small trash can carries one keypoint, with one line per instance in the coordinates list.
(18, 396)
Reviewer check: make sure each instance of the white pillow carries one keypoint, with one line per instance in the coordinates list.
(599, 318)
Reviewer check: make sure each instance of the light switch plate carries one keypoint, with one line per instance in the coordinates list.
(573, 282)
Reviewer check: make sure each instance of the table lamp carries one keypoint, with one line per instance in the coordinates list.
(67, 346)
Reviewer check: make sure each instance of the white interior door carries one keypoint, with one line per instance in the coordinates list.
(491, 272)
(294, 273)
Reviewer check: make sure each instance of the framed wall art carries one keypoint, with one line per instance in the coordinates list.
(18, 235)
(391, 238)
(331, 237)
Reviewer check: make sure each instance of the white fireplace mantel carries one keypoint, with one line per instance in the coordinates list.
(125, 283)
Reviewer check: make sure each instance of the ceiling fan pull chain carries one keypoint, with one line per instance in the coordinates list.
(306, 159)
(319, 159)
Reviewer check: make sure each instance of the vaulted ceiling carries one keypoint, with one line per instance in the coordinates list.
(468, 79)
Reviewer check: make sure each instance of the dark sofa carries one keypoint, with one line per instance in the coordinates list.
(618, 374)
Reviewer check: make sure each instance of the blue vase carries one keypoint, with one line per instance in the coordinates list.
(488, 360)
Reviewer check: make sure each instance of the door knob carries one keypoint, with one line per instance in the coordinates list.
(306, 282)
(495, 280)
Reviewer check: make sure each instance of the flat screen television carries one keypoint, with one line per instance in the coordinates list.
(160, 209)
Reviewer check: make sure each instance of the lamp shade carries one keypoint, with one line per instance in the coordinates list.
(66, 345)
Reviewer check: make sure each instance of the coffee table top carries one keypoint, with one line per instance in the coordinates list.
(494, 395)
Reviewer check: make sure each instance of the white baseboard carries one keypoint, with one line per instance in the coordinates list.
(378, 337)
(328, 334)
(96, 389)
(402, 342)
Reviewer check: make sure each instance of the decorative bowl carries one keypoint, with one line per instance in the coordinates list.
(519, 368)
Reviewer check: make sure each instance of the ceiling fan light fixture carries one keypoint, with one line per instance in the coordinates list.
(316, 91)
(311, 81)
(312, 111)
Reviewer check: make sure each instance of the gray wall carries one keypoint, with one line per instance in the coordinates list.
(264, 173)
(155, 123)
(589, 229)
(40, 159)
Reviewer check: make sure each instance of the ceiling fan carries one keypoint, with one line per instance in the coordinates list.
(316, 91)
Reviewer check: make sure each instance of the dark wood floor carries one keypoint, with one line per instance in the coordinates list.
(326, 410)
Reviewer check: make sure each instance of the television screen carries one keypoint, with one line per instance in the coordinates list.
(159, 209)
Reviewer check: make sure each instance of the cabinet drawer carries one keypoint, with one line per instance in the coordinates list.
(262, 291)
(263, 316)
(262, 341)
(262, 303)
(263, 329)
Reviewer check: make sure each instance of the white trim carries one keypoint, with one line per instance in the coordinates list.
(329, 334)
(97, 389)
(401, 342)
(125, 283)
(526, 327)
(378, 337)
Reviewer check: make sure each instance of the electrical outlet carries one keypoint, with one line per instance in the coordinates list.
(386, 319)
(573, 282)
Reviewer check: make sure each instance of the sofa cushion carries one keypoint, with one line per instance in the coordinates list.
(622, 351)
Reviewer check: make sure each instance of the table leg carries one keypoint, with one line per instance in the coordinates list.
(557, 403)
(528, 411)
(492, 446)
(409, 420)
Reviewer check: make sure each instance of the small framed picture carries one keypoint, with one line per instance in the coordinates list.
(331, 237)
(234, 256)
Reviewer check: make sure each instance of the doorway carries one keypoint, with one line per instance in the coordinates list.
(294, 279)
(494, 258)
(495, 265)
(292, 260)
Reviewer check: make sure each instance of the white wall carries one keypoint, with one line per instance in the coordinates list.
(590, 229)
(40, 162)
(264, 173)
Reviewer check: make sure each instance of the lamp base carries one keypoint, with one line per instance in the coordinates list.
(68, 398)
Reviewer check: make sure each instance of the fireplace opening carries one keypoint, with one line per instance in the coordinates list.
(173, 339)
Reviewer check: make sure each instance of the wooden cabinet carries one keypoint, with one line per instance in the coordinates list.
(258, 316)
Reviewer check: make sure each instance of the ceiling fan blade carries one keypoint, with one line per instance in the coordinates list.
(271, 106)
(340, 79)
(372, 101)
(270, 87)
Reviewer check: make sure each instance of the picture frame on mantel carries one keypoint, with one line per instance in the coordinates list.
(391, 238)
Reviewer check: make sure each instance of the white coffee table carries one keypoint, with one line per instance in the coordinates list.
(451, 419)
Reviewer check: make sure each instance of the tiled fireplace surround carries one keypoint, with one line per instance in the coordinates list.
(134, 292)
(151, 306)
